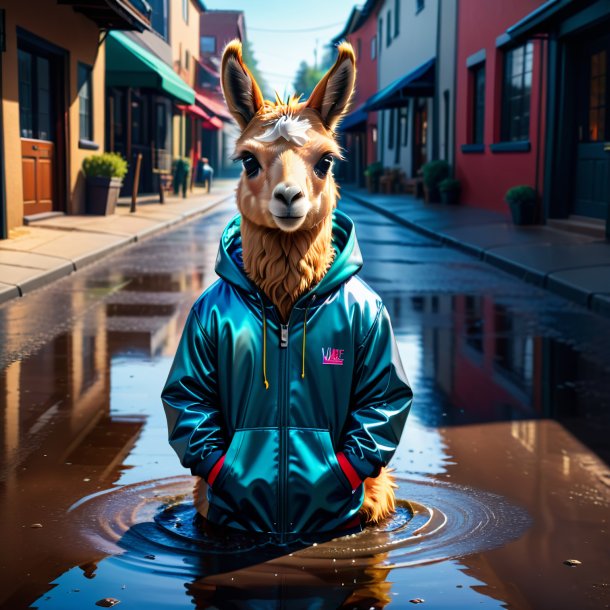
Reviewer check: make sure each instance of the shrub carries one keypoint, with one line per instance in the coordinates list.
(449, 184)
(106, 165)
(373, 169)
(521, 194)
(434, 172)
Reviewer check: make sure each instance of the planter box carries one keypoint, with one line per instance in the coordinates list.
(523, 214)
(450, 197)
(102, 194)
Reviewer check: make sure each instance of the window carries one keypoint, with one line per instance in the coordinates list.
(419, 6)
(477, 74)
(373, 47)
(404, 124)
(597, 97)
(380, 34)
(187, 59)
(517, 85)
(396, 17)
(185, 10)
(208, 44)
(388, 19)
(158, 18)
(391, 129)
(85, 102)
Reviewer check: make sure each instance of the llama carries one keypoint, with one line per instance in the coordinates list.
(286, 195)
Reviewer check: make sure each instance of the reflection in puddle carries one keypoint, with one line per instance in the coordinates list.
(152, 527)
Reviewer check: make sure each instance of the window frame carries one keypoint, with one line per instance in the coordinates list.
(507, 131)
(475, 103)
(396, 18)
(420, 5)
(388, 27)
(85, 76)
(207, 38)
(185, 10)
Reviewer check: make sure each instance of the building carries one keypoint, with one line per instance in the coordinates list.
(534, 107)
(574, 174)
(150, 100)
(52, 90)
(217, 28)
(359, 128)
(406, 59)
(500, 103)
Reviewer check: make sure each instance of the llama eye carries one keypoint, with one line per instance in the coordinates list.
(251, 166)
(323, 166)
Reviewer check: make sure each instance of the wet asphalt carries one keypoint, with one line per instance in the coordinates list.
(512, 398)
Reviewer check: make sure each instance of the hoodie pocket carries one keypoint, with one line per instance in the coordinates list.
(244, 494)
(319, 496)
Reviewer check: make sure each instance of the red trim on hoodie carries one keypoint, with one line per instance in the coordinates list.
(348, 470)
(215, 470)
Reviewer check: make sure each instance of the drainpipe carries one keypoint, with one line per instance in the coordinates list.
(3, 231)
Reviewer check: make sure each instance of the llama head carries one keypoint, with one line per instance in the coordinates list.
(287, 147)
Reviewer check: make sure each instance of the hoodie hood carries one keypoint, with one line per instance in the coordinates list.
(347, 261)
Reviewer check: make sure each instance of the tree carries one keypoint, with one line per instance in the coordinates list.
(252, 63)
(306, 79)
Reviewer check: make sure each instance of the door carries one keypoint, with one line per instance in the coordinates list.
(37, 124)
(592, 186)
(420, 135)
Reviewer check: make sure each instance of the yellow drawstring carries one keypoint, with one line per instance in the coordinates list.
(313, 298)
(265, 347)
(303, 359)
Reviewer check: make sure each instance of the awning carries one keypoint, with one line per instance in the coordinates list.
(195, 110)
(130, 65)
(354, 119)
(537, 19)
(214, 123)
(114, 14)
(214, 106)
(417, 83)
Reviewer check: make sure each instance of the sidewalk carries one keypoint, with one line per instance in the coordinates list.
(570, 264)
(46, 250)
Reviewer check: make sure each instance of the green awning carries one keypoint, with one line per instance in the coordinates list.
(130, 65)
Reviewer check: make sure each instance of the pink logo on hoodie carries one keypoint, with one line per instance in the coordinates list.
(332, 355)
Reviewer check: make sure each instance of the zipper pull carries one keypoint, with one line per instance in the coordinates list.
(284, 335)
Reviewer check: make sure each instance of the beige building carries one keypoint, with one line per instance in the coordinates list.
(52, 68)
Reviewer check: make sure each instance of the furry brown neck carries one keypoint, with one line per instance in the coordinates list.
(286, 265)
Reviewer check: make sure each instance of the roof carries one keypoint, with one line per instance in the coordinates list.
(114, 14)
(419, 82)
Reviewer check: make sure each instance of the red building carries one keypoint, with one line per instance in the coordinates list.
(500, 103)
(359, 128)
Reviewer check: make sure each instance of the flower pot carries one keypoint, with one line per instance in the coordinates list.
(102, 194)
(523, 213)
(450, 197)
(431, 195)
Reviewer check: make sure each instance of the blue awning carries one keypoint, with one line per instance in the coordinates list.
(354, 119)
(417, 83)
(543, 17)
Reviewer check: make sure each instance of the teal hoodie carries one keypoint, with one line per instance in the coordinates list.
(289, 418)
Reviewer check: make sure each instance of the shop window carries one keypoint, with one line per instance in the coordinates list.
(516, 93)
(208, 44)
(396, 17)
(85, 102)
(597, 97)
(477, 110)
(388, 19)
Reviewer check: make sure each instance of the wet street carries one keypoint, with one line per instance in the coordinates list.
(505, 454)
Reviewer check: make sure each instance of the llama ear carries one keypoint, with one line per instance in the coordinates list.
(332, 94)
(242, 94)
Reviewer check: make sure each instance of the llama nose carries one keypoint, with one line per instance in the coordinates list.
(287, 193)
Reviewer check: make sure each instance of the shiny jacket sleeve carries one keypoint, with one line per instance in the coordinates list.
(380, 401)
(190, 400)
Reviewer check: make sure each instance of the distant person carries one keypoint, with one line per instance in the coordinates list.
(206, 173)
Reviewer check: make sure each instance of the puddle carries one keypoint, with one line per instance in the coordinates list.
(440, 522)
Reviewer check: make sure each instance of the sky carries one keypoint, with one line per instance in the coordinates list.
(285, 33)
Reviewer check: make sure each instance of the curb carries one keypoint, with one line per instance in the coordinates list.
(596, 303)
(10, 292)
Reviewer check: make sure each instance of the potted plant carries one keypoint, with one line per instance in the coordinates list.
(450, 190)
(371, 175)
(522, 200)
(182, 172)
(104, 173)
(434, 172)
